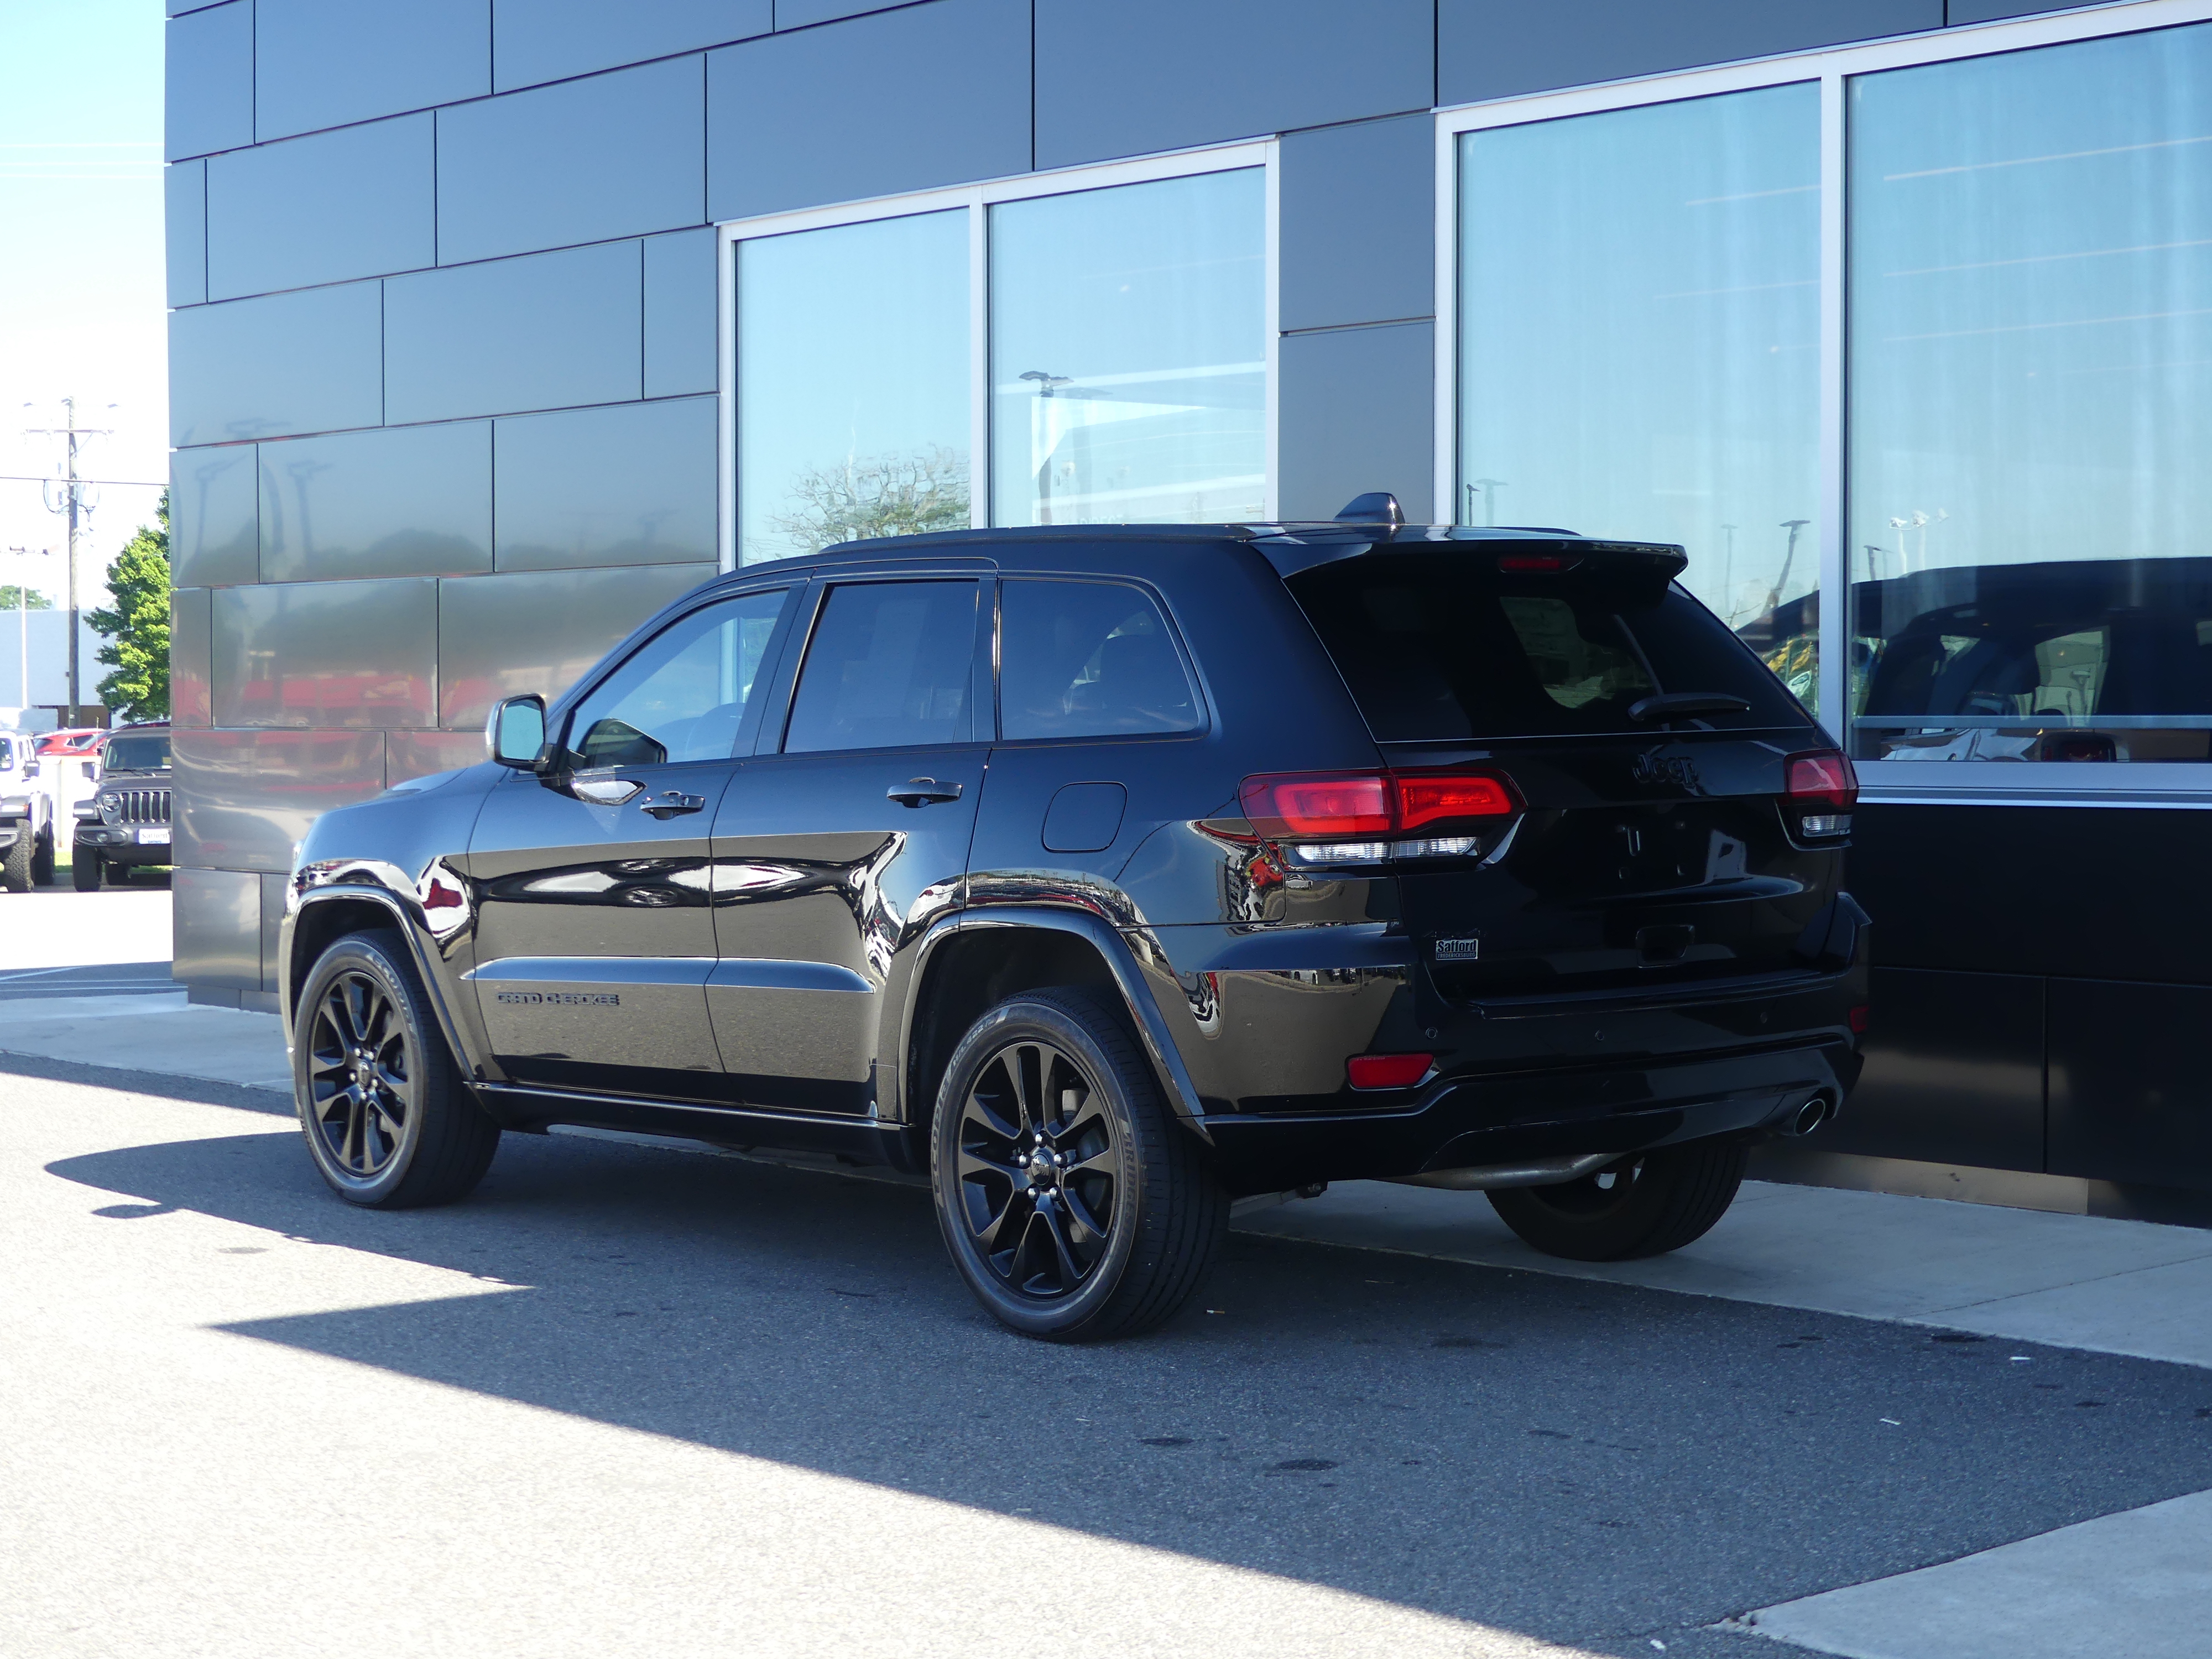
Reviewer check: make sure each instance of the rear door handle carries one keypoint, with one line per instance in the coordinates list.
(920, 792)
(672, 803)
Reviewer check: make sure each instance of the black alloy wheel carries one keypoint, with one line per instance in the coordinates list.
(388, 1119)
(1038, 1164)
(1073, 1204)
(1644, 1203)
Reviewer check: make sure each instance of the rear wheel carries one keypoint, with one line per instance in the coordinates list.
(1645, 1204)
(388, 1119)
(42, 860)
(84, 870)
(1074, 1204)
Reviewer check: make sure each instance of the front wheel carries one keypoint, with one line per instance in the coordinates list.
(84, 870)
(42, 860)
(1074, 1204)
(1644, 1204)
(16, 867)
(389, 1121)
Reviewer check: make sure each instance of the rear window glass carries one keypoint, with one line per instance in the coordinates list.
(1438, 648)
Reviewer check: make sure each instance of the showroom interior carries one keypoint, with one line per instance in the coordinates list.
(497, 324)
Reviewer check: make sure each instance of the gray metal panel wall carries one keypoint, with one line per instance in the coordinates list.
(583, 161)
(679, 313)
(184, 213)
(309, 361)
(356, 202)
(191, 658)
(208, 79)
(628, 484)
(218, 929)
(214, 517)
(325, 63)
(905, 99)
(1358, 412)
(1358, 223)
(537, 40)
(398, 502)
(1496, 48)
(327, 655)
(1122, 77)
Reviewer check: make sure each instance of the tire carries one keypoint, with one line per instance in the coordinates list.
(1645, 1204)
(84, 870)
(388, 1119)
(42, 860)
(1116, 1213)
(16, 867)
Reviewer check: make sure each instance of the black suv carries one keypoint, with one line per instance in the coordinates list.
(1107, 874)
(123, 824)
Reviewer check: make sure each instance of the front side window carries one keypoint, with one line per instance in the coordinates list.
(682, 696)
(891, 665)
(2031, 404)
(1128, 353)
(1087, 659)
(1638, 339)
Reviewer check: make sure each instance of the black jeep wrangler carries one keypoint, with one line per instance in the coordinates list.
(1105, 874)
(123, 824)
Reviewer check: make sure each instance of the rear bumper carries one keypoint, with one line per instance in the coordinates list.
(1459, 1123)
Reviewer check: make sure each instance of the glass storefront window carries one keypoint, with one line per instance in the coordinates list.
(1639, 344)
(1128, 353)
(2031, 404)
(853, 384)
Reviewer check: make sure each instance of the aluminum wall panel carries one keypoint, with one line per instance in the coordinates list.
(929, 95)
(356, 202)
(191, 661)
(409, 500)
(1358, 413)
(244, 798)
(800, 14)
(184, 191)
(311, 361)
(1988, 11)
(1346, 191)
(535, 40)
(418, 754)
(2128, 1099)
(583, 161)
(208, 81)
(499, 636)
(680, 307)
(272, 926)
(326, 63)
(217, 914)
(214, 516)
(1131, 77)
(327, 654)
(633, 484)
(548, 331)
(1496, 48)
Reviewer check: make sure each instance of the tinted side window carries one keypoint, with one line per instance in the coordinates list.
(890, 667)
(682, 695)
(1087, 659)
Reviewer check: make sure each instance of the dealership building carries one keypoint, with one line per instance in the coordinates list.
(499, 323)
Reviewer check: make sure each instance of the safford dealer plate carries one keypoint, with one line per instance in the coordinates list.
(154, 837)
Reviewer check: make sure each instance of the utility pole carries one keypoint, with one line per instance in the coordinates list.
(79, 509)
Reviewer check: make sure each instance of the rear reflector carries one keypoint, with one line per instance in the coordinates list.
(1861, 1018)
(1388, 1071)
(1362, 806)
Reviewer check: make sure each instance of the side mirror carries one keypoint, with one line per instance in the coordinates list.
(515, 733)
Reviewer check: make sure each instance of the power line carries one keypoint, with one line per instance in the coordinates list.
(27, 477)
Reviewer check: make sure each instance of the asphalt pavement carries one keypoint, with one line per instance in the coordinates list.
(634, 1398)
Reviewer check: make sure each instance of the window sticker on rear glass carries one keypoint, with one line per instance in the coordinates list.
(1572, 668)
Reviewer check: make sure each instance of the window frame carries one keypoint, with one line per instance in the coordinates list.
(977, 200)
(2178, 784)
(1201, 699)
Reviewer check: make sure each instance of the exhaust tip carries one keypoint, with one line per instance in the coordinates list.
(1809, 1117)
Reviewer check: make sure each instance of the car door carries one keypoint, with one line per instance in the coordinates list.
(842, 840)
(595, 930)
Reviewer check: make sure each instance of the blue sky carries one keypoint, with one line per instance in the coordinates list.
(81, 264)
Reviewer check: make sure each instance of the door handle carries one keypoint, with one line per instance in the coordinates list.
(920, 792)
(673, 804)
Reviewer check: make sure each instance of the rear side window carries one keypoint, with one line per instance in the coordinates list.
(1438, 648)
(1087, 659)
(890, 666)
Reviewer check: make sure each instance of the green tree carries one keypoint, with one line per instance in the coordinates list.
(880, 496)
(11, 599)
(138, 624)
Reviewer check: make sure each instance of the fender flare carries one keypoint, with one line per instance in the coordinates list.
(1152, 1030)
(408, 927)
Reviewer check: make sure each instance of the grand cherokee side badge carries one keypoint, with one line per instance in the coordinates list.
(595, 999)
(1459, 950)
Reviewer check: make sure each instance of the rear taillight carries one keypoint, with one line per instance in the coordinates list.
(1818, 793)
(1365, 817)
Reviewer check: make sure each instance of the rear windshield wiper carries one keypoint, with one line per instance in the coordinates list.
(1672, 705)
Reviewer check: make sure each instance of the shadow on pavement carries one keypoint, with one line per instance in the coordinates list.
(1581, 1461)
